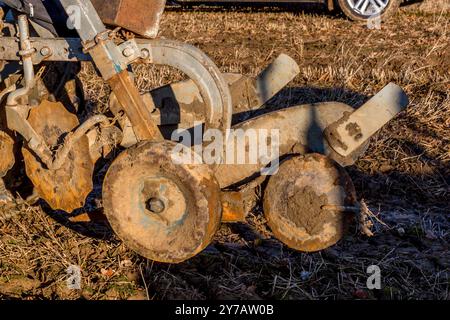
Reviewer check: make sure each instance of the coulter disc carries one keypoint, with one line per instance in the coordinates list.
(6, 153)
(65, 188)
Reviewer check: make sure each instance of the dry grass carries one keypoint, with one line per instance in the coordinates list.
(404, 176)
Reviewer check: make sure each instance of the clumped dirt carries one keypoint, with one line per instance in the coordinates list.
(313, 217)
(404, 176)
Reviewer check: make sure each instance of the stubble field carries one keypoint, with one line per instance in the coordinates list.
(404, 176)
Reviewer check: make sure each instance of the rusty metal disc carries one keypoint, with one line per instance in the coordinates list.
(65, 188)
(164, 211)
(304, 202)
(7, 158)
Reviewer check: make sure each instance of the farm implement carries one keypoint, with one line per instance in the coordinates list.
(166, 199)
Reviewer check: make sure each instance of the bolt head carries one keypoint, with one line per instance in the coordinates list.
(45, 51)
(145, 54)
(156, 205)
(128, 52)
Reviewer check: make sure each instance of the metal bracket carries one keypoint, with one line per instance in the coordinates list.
(16, 118)
(47, 49)
(63, 49)
(109, 60)
(353, 130)
(130, 51)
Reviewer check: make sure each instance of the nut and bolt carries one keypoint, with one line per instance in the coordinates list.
(128, 52)
(145, 54)
(45, 51)
(156, 205)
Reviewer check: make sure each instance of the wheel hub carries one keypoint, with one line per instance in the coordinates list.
(155, 205)
(164, 201)
(368, 7)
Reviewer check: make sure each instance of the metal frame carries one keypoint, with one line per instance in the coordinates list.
(96, 44)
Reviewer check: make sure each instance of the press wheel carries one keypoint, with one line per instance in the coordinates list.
(306, 203)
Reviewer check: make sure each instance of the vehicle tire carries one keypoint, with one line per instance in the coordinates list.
(363, 10)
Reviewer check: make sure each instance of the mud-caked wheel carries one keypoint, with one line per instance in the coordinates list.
(306, 202)
(163, 210)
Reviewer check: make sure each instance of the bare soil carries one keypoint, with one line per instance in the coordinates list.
(404, 176)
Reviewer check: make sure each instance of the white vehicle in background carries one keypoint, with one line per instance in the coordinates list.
(357, 10)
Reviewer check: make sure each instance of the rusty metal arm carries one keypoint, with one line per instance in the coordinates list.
(112, 64)
(73, 137)
(16, 118)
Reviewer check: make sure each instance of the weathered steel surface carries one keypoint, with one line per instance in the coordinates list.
(164, 211)
(196, 65)
(182, 104)
(7, 160)
(298, 199)
(54, 49)
(132, 103)
(233, 207)
(275, 77)
(300, 131)
(6, 153)
(215, 107)
(354, 129)
(140, 16)
(177, 103)
(66, 188)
